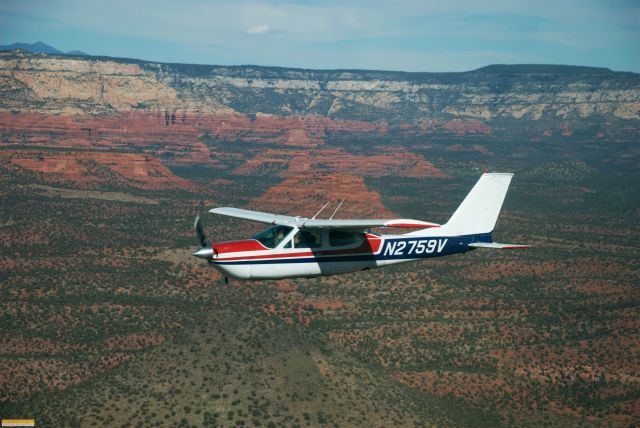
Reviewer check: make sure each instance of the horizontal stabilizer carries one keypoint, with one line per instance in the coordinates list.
(496, 245)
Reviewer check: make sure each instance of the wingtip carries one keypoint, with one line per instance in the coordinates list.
(505, 174)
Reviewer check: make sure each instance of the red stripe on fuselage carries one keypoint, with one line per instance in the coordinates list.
(238, 246)
(266, 256)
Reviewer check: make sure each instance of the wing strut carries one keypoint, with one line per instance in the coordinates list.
(320, 210)
(334, 213)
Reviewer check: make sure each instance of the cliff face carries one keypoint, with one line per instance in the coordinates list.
(87, 168)
(288, 163)
(292, 121)
(305, 194)
(36, 82)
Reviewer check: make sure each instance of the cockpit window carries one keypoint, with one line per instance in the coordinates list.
(271, 237)
(306, 239)
(339, 238)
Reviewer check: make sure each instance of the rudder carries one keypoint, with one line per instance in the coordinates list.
(479, 211)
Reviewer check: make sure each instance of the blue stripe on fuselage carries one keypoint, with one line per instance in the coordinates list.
(392, 249)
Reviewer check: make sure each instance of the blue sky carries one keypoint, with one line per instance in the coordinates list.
(408, 35)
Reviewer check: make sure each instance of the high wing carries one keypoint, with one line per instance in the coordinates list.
(311, 223)
(257, 216)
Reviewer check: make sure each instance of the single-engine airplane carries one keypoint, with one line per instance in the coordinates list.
(308, 247)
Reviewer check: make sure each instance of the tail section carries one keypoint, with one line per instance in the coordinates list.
(479, 211)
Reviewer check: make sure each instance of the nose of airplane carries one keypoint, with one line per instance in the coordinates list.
(204, 253)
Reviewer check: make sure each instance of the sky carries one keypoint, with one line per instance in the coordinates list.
(407, 35)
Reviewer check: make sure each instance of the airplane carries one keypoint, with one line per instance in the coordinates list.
(308, 247)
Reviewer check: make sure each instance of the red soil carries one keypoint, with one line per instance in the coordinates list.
(86, 167)
(323, 304)
(473, 387)
(31, 346)
(20, 378)
(178, 137)
(289, 163)
(175, 135)
(474, 148)
(143, 131)
(134, 341)
(460, 127)
(304, 195)
(304, 310)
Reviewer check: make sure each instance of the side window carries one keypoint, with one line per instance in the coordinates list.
(339, 238)
(306, 239)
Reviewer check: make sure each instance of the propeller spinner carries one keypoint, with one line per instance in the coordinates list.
(205, 251)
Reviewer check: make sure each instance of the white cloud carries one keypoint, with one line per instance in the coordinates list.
(259, 29)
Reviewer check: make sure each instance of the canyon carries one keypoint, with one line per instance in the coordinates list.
(108, 320)
(254, 120)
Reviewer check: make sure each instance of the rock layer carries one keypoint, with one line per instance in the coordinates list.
(89, 168)
(72, 85)
(288, 163)
(305, 195)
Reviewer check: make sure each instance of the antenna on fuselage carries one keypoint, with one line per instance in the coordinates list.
(337, 208)
(323, 207)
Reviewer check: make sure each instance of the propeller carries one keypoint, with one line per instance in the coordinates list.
(205, 251)
(197, 226)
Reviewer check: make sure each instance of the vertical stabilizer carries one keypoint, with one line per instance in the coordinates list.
(479, 211)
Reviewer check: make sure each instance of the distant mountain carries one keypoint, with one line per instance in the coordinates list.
(40, 47)
(37, 47)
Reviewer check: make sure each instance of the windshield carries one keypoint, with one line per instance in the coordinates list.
(271, 237)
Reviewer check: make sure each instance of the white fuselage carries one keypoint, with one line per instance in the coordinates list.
(249, 259)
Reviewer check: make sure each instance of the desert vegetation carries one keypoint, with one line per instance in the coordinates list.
(106, 319)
